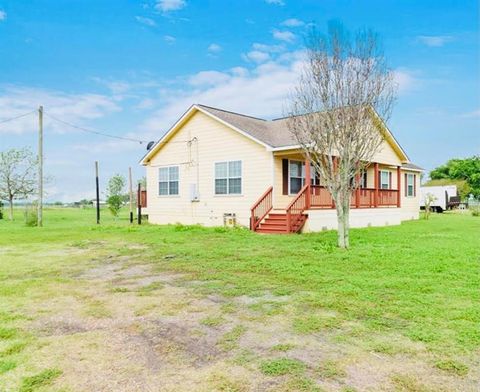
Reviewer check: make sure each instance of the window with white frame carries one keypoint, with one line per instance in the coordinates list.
(410, 185)
(296, 176)
(228, 178)
(384, 179)
(168, 181)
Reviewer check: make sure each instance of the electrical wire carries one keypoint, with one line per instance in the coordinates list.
(14, 118)
(93, 131)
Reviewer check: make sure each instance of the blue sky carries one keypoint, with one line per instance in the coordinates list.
(132, 67)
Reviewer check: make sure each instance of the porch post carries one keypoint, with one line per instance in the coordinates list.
(375, 198)
(308, 182)
(399, 188)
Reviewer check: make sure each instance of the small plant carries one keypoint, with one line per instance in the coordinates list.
(31, 216)
(452, 366)
(115, 194)
(475, 210)
(429, 200)
(282, 366)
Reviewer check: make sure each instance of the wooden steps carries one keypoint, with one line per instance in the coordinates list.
(276, 223)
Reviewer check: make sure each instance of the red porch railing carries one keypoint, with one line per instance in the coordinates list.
(295, 210)
(261, 208)
(361, 198)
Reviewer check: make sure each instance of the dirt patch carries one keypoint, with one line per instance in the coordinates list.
(126, 327)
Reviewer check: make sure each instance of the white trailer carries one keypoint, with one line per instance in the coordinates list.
(442, 195)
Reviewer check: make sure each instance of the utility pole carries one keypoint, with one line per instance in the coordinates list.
(97, 187)
(131, 193)
(40, 168)
(139, 203)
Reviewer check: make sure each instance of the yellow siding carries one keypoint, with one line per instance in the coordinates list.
(215, 143)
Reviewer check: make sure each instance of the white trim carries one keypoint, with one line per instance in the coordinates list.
(173, 129)
(284, 148)
(168, 182)
(413, 185)
(227, 178)
(388, 180)
(232, 126)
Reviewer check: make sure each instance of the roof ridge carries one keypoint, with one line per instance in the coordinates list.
(229, 111)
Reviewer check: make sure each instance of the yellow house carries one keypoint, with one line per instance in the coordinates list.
(214, 166)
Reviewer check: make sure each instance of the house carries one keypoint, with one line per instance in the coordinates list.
(213, 166)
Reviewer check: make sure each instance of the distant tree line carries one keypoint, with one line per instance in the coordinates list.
(465, 173)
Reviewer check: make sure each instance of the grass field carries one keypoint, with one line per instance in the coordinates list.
(173, 308)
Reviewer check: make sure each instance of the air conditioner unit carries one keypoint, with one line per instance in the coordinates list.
(229, 219)
(194, 196)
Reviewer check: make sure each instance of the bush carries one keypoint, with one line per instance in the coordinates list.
(475, 211)
(31, 216)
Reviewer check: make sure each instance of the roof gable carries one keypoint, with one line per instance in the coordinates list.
(272, 134)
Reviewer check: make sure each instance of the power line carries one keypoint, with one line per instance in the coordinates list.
(96, 132)
(20, 116)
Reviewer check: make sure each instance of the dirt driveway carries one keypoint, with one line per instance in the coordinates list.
(124, 326)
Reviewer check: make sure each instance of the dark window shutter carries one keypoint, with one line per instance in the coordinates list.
(389, 180)
(414, 185)
(406, 184)
(285, 176)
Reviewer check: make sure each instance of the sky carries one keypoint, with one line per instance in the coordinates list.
(131, 68)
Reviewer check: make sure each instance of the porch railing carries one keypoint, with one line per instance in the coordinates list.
(261, 208)
(295, 210)
(361, 198)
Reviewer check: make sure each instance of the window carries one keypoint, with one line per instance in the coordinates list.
(296, 171)
(384, 179)
(228, 178)
(168, 181)
(363, 179)
(410, 185)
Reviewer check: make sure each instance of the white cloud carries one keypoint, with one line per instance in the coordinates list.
(169, 39)
(170, 5)
(3, 15)
(73, 108)
(405, 80)
(256, 56)
(276, 2)
(286, 36)
(208, 78)
(473, 114)
(268, 48)
(434, 40)
(293, 22)
(261, 92)
(145, 21)
(214, 48)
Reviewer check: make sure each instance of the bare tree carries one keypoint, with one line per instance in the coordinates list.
(17, 175)
(344, 92)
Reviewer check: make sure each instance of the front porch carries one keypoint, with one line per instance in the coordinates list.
(278, 210)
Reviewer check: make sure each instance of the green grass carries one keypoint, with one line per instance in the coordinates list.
(281, 366)
(46, 377)
(418, 280)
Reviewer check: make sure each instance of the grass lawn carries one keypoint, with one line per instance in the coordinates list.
(231, 310)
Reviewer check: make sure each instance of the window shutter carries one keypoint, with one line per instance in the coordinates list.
(389, 180)
(285, 176)
(406, 184)
(414, 185)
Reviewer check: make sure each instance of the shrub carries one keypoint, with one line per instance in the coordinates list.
(475, 210)
(31, 217)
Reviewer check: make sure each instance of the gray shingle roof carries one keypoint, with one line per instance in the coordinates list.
(412, 166)
(275, 133)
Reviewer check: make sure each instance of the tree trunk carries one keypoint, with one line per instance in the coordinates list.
(10, 209)
(343, 219)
